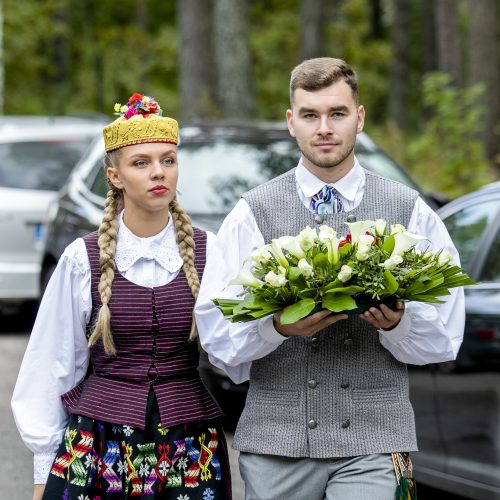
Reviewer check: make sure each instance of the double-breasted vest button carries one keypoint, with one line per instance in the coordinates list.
(312, 383)
(348, 341)
(312, 424)
(346, 424)
(344, 385)
(319, 218)
(315, 342)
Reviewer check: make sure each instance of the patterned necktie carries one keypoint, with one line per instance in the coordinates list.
(326, 201)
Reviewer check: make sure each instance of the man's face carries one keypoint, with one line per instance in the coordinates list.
(325, 123)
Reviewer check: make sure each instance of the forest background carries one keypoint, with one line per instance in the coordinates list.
(429, 70)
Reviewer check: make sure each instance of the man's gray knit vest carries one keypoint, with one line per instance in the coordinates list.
(339, 393)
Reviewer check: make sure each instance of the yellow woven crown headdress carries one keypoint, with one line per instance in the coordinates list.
(140, 120)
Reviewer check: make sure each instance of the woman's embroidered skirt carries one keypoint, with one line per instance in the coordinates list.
(99, 460)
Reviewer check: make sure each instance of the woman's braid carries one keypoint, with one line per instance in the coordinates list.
(108, 231)
(185, 240)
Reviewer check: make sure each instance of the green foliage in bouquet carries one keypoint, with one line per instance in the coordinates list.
(316, 270)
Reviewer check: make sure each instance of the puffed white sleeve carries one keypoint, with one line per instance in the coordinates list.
(429, 333)
(55, 360)
(232, 346)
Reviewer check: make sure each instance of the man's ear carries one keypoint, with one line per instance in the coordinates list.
(361, 118)
(114, 178)
(289, 121)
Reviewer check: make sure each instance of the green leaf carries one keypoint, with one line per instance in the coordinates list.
(320, 261)
(390, 283)
(389, 243)
(337, 302)
(294, 273)
(346, 290)
(297, 311)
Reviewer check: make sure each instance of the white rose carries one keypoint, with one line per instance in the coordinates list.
(363, 252)
(275, 280)
(305, 268)
(259, 256)
(345, 273)
(444, 258)
(307, 238)
(392, 262)
(327, 233)
(397, 228)
(366, 240)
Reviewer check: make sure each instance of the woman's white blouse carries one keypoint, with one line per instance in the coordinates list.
(57, 355)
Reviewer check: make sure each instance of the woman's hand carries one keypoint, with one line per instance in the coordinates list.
(307, 327)
(38, 491)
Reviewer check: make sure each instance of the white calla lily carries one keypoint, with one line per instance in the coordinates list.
(361, 227)
(246, 278)
(278, 254)
(403, 241)
(291, 244)
(328, 236)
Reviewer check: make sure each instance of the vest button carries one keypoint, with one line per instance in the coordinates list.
(312, 383)
(348, 341)
(346, 424)
(319, 218)
(344, 385)
(315, 342)
(312, 424)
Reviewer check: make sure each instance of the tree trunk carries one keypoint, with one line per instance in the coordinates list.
(376, 19)
(196, 79)
(400, 67)
(484, 68)
(312, 28)
(428, 26)
(448, 39)
(232, 54)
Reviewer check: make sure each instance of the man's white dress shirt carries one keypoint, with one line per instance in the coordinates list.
(427, 333)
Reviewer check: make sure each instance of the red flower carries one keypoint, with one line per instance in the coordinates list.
(135, 98)
(348, 239)
(153, 107)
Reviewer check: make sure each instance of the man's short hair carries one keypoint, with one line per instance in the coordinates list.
(321, 72)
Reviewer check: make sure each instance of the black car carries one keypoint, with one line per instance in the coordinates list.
(217, 162)
(457, 404)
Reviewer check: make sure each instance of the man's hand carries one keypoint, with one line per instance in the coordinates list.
(307, 327)
(384, 318)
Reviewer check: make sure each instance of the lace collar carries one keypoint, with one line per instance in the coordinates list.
(161, 247)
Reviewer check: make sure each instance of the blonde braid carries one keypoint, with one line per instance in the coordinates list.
(108, 231)
(185, 240)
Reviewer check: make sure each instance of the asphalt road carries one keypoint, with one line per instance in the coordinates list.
(16, 468)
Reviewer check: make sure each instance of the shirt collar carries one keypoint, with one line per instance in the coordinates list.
(162, 248)
(347, 186)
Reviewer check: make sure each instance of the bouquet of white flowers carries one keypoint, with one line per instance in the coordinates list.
(317, 270)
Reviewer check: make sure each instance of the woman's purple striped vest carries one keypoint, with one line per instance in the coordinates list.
(150, 329)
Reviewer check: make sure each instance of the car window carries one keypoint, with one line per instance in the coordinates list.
(466, 227)
(38, 165)
(491, 269)
(212, 176)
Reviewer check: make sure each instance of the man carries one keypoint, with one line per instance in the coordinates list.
(327, 408)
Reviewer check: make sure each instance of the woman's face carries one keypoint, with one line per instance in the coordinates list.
(147, 175)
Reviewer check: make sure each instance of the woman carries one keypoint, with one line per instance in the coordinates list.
(112, 345)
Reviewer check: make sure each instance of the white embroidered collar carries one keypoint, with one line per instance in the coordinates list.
(161, 247)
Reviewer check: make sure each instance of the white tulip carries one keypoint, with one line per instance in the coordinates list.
(307, 238)
(403, 241)
(246, 278)
(358, 228)
(275, 280)
(345, 273)
(380, 227)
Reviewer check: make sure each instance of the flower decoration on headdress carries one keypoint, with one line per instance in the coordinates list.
(138, 104)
